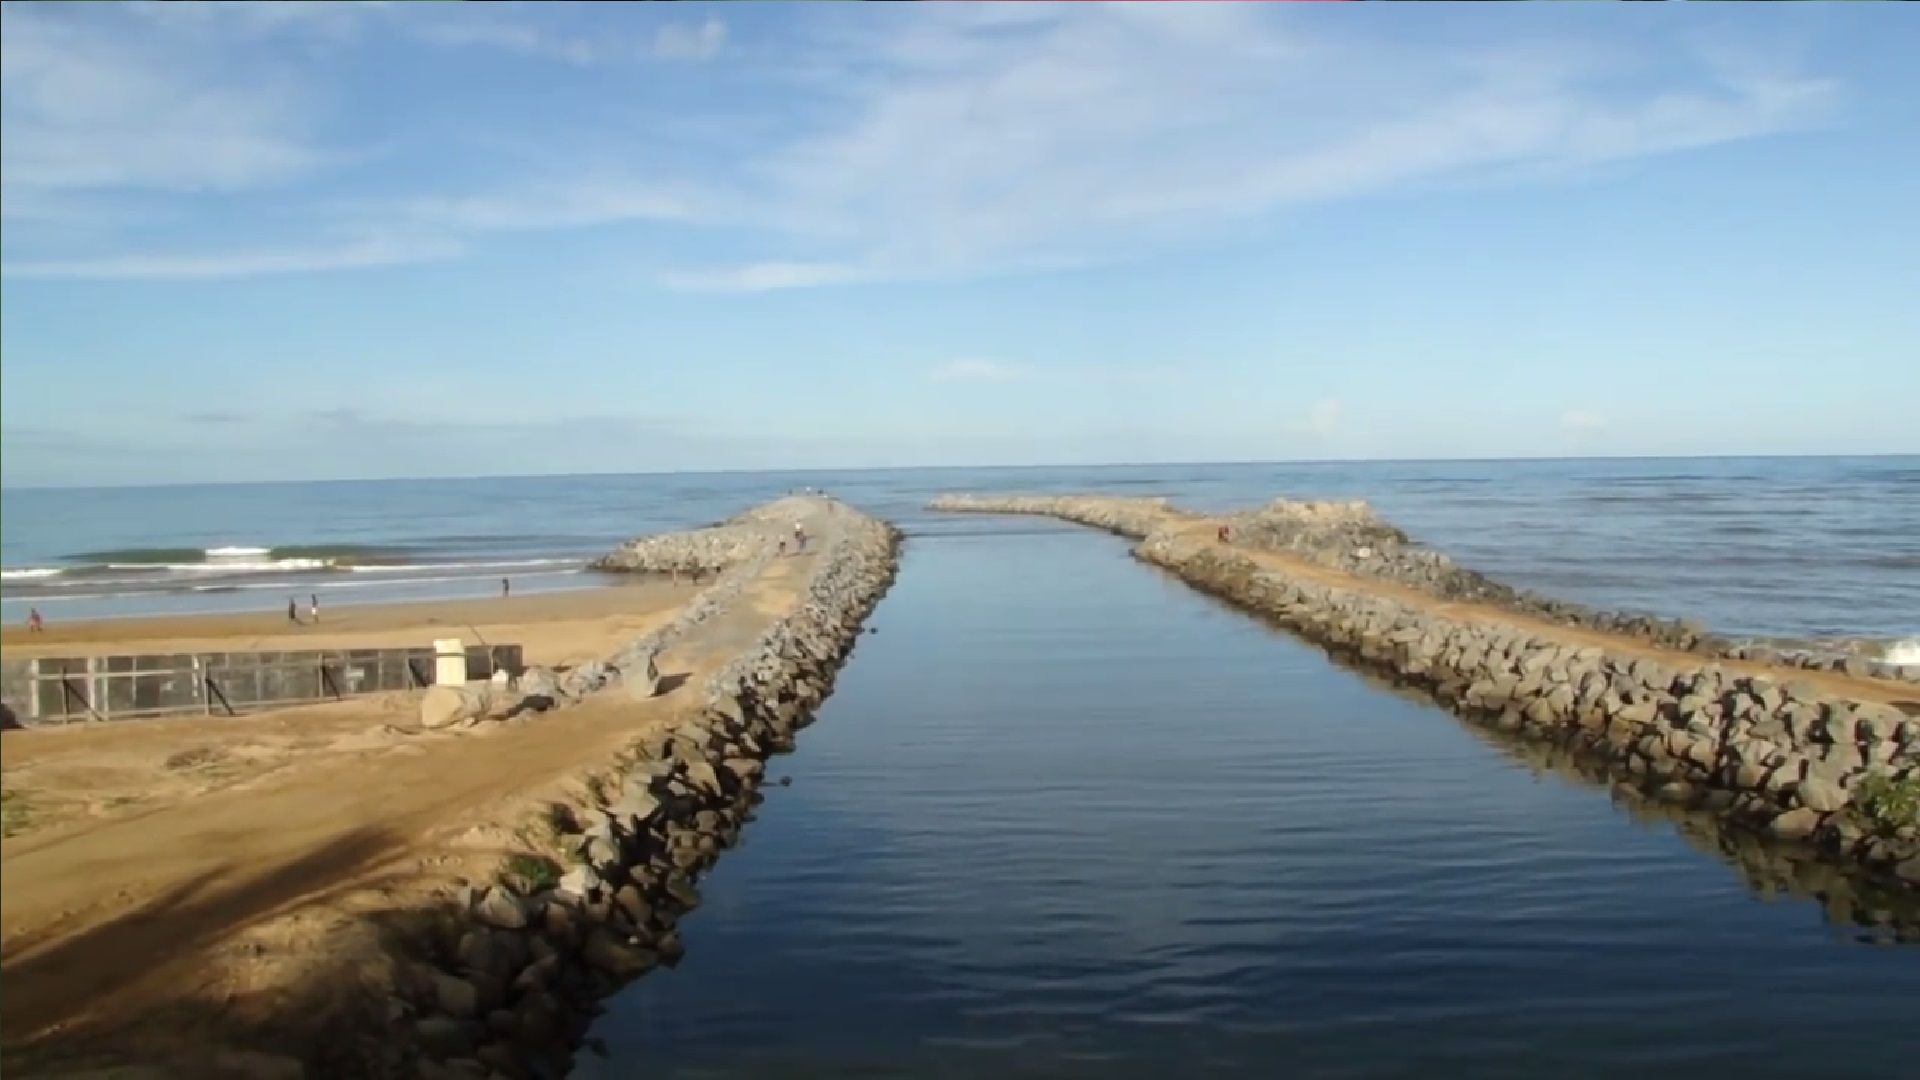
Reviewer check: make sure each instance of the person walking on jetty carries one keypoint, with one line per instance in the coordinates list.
(799, 538)
(34, 625)
(1225, 534)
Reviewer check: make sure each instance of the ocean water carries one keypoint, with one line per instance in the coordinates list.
(1792, 546)
(1064, 817)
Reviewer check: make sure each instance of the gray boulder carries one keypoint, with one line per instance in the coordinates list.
(501, 909)
(605, 953)
(539, 682)
(643, 680)
(445, 706)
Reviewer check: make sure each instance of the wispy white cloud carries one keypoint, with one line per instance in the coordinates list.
(977, 370)
(514, 29)
(87, 106)
(689, 41)
(976, 140)
(1582, 422)
(192, 266)
(946, 142)
(564, 205)
(762, 276)
(463, 31)
(1321, 420)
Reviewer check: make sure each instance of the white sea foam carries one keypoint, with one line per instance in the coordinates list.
(233, 565)
(502, 565)
(30, 573)
(1904, 652)
(240, 554)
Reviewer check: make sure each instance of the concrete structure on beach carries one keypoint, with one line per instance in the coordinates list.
(1809, 749)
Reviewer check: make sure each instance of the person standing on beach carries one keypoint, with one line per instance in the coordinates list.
(313, 607)
(293, 611)
(506, 588)
(34, 625)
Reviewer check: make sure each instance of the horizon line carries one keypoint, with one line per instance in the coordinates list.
(467, 477)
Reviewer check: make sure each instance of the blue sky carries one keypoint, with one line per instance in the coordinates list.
(305, 240)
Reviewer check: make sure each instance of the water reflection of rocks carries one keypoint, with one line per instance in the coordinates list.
(1873, 911)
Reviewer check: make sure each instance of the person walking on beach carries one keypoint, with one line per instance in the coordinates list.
(313, 607)
(293, 611)
(34, 625)
(506, 588)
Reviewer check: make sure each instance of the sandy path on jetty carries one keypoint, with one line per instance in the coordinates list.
(215, 902)
(1204, 531)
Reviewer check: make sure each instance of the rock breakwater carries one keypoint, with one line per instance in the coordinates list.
(1348, 537)
(510, 987)
(748, 536)
(1776, 755)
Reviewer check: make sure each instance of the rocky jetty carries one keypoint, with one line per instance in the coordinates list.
(510, 988)
(1779, 757)
(1131, 518)
(748, 537)
(1350, 538)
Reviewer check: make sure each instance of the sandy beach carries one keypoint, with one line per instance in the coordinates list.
(184, 790)
(82, 772)
(553, 627)
(229, 853)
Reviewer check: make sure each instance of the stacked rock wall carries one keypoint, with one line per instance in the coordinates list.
(743, 537)
(515, 988)
(1132, 518)
(1777, 757)
(1351, 538)
(1780, 757)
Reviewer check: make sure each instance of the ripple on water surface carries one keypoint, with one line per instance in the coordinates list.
(1064, 817)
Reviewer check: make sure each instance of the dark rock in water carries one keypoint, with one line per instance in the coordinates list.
(537, 1019)
(629, 900)
(603, 952)
(442, 1036)
(671, 950)
(455, 996)
(683, 892)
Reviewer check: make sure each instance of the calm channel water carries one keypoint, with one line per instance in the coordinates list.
(1065, 817)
